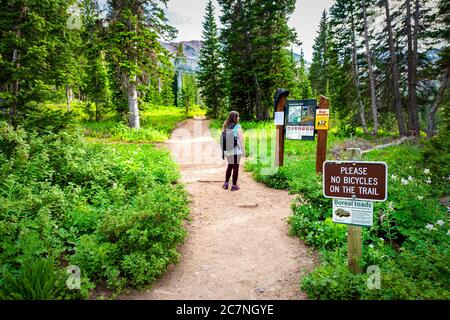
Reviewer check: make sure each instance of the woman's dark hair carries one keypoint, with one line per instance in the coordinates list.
(232, 118)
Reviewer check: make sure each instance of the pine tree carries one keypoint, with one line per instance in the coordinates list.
(303, 78)
(32, 48)
(255, 36)
(373, 93)
(318, 71)
(344, 18)
(96, 80)
(394, 69)
(210, 73)
(135, 27)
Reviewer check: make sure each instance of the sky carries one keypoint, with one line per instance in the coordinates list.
(187, 17)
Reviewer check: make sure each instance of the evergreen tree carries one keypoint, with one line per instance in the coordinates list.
(255, 36)
(303, 78)
(135, 26)
(210, 73)
(344, 19)
(32, 46)
(319, 65)
(96, 82)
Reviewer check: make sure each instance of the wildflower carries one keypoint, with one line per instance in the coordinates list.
(429, 226)
(426, 171)
(371, 246)
(382, 239)
(428, 181)
(420, 197)
(410, 178)
(404, 182)
(394, 177)
(114, 185)
(390, 205)
(440, 222)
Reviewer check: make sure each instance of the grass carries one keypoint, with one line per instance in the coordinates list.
(156, 125)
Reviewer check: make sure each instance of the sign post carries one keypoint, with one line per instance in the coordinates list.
(321, 152)
(280, 103)
(358, 183)
(354, 241)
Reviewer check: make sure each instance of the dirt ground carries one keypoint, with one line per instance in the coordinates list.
(238, 245)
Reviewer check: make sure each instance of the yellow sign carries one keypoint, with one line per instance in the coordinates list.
(322, 119)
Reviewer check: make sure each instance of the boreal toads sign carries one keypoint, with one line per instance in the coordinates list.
(358, 180)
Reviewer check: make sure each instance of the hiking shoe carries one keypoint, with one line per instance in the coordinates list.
(225, 185)
(234, 188)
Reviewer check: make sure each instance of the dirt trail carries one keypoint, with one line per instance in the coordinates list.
(238, 245)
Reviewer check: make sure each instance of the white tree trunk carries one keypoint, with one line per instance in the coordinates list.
(133, 103)
(69, 97)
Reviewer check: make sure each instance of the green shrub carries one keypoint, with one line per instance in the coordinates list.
(333, 280)
(436, 157)
(89, 205)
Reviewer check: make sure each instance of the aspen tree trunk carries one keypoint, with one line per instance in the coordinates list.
(394, 67)
(373, 94)
(133, 102)
(68, 97)
(132, 83)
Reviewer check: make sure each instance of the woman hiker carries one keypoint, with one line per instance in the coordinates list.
(233, 156)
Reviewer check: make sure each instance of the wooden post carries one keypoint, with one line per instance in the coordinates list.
(321, 151)
(354, 232)
(279, 145)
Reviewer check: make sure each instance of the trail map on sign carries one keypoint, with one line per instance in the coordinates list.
(300, 119)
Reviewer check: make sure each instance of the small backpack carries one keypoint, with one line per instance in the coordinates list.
(228, 141)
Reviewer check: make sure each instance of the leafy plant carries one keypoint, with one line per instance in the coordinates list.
(37, 280)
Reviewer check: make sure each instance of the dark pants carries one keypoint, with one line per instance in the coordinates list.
(233, 165)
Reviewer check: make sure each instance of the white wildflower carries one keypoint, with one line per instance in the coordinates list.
(382, 239)
(429, 226)
(114, 185)
(404, 181)
(410, 178)
(394, 177)
(440, 222)
(390, 205)
(420, 197)
(428, 181)
(371, 246)
(426, 171)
